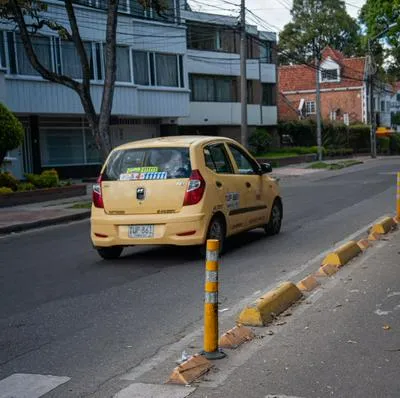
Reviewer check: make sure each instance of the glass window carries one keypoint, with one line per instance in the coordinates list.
(62, 147)
(217, 160)
(175, 162)
(203, 37)
(42, 48)
(123, 66)
(310, 108)
(71, 61)
(265, 52)
(398, 97)
(213, 88)
(329, 74)
(167, 70)
(166, 13)
(245, 164)
(269, 94)
(202, 88)
(223, 90)
(2, 51)
(136, 8)
(140, 68)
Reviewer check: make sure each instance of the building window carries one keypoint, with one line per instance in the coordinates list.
(64, 147)
(203, 37)
(398, 97)
(123, 64)
(329, 75)
(140, 61)
(2, 51)
(269, 94)
(310, 108)
(346, 119)
(213, 88)
(71, 63)
(167, 70)
(266, 52)
(382, 106)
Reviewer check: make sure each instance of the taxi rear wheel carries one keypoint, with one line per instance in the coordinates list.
(275, 220)
(216, 230)
(109, 253)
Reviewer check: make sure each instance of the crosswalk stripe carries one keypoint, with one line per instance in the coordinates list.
(143, 390)
(25, 385)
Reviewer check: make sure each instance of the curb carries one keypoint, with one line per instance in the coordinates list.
(270, 305)
(383, 226)
(342, 255)
(44, 223)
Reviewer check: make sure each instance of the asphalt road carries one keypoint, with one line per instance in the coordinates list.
(64, 312)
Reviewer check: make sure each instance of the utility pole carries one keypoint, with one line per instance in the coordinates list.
(243, 74)
(318, 106)
(372, 119)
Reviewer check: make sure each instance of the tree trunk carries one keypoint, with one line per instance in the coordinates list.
(2, 156)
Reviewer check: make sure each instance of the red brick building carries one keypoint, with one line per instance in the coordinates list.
(343, 89)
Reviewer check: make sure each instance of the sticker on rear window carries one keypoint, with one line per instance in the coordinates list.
(141, 170)
(159, 175)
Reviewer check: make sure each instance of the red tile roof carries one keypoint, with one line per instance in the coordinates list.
(302, 77)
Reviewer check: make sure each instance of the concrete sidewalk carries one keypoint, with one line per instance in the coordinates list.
(342, 341)
(21, 218)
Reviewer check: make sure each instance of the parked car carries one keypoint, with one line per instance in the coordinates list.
(181, 191)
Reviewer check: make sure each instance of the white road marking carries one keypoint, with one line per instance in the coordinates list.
(280, 396)
(142, 390)
(380, 312)
(24, 385)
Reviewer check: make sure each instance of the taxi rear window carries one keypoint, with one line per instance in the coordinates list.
(148, 164)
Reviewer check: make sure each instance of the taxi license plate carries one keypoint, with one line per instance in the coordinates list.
(141, 231)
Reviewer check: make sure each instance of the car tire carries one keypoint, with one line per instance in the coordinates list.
(274, 224)
(216, 230)
(109, 253)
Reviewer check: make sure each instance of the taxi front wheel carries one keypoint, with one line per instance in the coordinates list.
(275, 220)
(109, 253)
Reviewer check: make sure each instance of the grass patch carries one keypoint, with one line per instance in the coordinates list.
(334, 166)
(81, 205)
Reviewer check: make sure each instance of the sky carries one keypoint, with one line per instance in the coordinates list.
(275, 14)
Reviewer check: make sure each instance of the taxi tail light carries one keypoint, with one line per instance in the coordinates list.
(195, 189)
(97, 197)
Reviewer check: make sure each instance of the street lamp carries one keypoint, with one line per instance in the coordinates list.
(371, 73)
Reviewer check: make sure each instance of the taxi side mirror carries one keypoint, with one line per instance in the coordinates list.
(265, 168)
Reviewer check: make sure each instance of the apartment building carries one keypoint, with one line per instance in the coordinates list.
(151, 90)
(213, 65)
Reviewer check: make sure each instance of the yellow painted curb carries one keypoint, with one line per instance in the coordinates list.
(374, 236)
(327, 270)
(342, 255)
(383, 226)
(269, 305)
(363, 244)
(236, 336)
(307, 284)
(190, 370)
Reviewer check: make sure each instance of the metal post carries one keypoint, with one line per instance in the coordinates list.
(243, 75)
(398, 197)
(211, 350)
(371, 102)
(318, 108)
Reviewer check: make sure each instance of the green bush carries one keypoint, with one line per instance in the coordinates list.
(8, 180)
(25, 186)
(48, 179)
(331, 152)
(359, 138)
(5, 190)
(303, 132)
(394, 144)
(11, 132)
(383, 145)
(260, 141)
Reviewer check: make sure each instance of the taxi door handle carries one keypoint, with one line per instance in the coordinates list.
(218, 184)
(248, 185)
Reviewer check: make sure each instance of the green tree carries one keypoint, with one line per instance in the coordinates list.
(377, 15)
(316, 24)
(30, 18)
(11, 132)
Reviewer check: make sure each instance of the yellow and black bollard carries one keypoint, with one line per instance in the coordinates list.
(211, 350)
(398, 197)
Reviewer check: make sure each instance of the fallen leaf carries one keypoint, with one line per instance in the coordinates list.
(352, 342)
(281, 323)
(386, 327)
(270, 332)
(338, 305)
(288, 314)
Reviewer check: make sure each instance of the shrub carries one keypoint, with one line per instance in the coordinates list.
(48, 179)
(8, 180)
(303, 132)
(394, 144)
(383, 144)
(11, 132)
(5, 190)
(25, 186)
(260, 141)
(331, 152)
(359, 138)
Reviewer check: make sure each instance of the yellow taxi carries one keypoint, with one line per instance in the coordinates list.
(181, 191)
